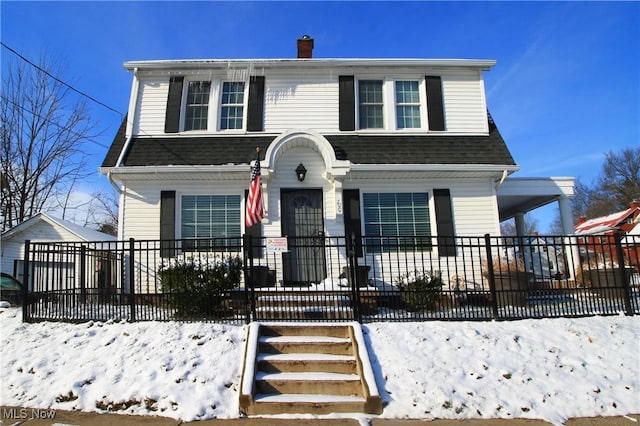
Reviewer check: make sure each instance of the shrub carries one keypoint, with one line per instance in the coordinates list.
(503, 265)
(420, 290)
(199, 286)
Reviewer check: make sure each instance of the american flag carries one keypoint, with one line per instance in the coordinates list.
(255, 210)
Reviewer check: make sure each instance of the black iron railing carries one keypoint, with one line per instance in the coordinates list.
(325, 278)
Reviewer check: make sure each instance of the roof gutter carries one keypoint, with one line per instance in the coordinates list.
(484, 64)
(505, 169)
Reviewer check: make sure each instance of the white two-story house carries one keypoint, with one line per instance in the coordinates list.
(374, 147)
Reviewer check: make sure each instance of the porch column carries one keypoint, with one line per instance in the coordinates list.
(566, 219)
(520, 225)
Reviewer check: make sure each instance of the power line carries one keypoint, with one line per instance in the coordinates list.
(60, 81)
(54, 123)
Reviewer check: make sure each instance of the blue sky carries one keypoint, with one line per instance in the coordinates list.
(565, 90)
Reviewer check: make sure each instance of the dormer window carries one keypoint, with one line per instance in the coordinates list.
(197, 105)
(391, 103)
(407, 105)
(371, 104)
(232, 105)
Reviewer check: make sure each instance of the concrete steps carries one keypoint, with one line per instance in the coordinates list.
(307, 369)
(304, 305)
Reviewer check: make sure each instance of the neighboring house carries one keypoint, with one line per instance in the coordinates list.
(598, 234)
(374, 147)
(544, 259)
(44, 228)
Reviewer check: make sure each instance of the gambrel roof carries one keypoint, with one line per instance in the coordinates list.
(357, 148)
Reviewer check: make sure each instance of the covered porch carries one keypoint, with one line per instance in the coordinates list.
(518, 196)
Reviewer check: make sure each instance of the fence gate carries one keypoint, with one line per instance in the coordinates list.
(329, 295)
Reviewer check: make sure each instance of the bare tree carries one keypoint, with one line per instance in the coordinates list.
(103, 212)
(508, 227)
(619, 181)
(43, 129)
(616, 186)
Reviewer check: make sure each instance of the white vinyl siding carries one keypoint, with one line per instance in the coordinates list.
(464, 103)
(311, 101)
(475, 208)
(151, 106)
(142, 212)
(13, 246)
(296, 102)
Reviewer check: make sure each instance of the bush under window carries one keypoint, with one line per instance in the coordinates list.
(199, 287)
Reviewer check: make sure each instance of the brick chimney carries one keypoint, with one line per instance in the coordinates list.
(305, 47)
(635, 204)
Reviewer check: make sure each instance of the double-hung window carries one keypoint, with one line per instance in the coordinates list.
(394, 220)
(232, 105)
(197, 105)
(370, 104)
(407, 105)
(215, 218)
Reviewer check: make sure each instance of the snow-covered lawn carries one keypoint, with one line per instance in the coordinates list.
(549, 369)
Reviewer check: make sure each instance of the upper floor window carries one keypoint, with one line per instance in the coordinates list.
(371, 104)
(407, 105)
(197, 107)
(232, 105)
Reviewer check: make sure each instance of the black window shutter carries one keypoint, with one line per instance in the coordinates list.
(174, 98)
(255, 232)
(255, 112)
(352, 220)
(435, 105)
(167, 223)
(444, 222)
(346, 103)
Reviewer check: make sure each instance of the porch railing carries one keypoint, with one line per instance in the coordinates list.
(332, 278)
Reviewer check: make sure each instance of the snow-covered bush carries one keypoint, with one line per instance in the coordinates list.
(420, 290)
(198, 286)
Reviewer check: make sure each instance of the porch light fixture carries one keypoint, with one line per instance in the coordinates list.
(301, 172)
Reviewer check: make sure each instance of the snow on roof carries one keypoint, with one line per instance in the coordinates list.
(603, 224)
(83, 233)
(633, 236)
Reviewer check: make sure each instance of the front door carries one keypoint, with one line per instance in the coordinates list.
(303, 224)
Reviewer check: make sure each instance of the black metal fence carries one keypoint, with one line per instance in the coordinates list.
(332, 279)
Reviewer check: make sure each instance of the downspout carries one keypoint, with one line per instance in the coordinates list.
(498, 185)
(120, 162)
(130, 118)
(502, 179)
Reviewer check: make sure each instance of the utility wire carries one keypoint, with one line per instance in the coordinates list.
(60, 81)
(54, 123)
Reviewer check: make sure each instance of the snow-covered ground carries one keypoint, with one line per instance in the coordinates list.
(550, 369)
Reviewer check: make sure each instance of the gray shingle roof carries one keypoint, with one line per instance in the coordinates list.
(357, 148)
